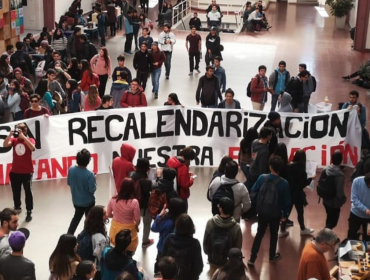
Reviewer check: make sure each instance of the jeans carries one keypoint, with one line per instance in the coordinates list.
(16, 182)
(209, 106)
(263, 222)
(147, 222)
(103, 82)
(112, 26)
(101, 31)
(274, 100)
(191, 60)
(167, 63)
(79, 212)
(143, 78)
(332, 216)
(156, 74)
(306, 101)
(354, 224)
(128, 42)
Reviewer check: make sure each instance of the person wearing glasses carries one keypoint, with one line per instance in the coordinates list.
(313, 263)
(36, 109)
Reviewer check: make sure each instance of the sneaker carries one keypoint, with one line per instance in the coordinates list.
(269, 27)
(18, 210)
(147, 244)
(167, 77)
(250, 262)
(275, 258)
(29, 217)
(347, 78)
(191, 74)
(307, 231)
(283, 234)
(255, 31)
(289, 223)
(156, 96)
(197, 70)
(128, 53)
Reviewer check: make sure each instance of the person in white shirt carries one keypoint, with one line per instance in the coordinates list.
(167, 39)
(214, 17)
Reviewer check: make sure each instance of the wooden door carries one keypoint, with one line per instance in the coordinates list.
(49, 13)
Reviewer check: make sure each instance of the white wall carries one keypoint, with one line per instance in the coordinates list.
(353, 15)
(61, 6)
(31, 12)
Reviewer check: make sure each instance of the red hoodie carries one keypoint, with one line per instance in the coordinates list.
(184, 181)
(123, 165)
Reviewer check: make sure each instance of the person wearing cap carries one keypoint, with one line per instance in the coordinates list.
(208, 90)
(9, 222)
(15, 265)
(313, 263)
(167, 39)
(22, 60)
(143, 64)
(193, 45)
(274, 123)
(223, 224)
(158, 58)
(234, 268)
(22, 168)
(213, 43)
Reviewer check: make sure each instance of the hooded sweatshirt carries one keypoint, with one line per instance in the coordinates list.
(116, 263)
(259, 160)
(123, 165)
(340, 198)
(184, 181)
(164, 225)
(166, 186)
(133, 99)
(225, 223)
(242, 201)
(194, 261)
(285, 103)
(117, 90)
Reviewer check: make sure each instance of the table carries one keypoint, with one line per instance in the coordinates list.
(92, 33)
(323, 107)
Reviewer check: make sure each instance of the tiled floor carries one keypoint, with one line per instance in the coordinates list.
(299, 34)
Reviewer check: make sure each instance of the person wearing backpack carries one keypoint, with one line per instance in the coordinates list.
(273, 202)
(360, 208)
(185, 249)
(228, 186)
(309, 87)
(259, 89)
(20, 59)
(143, 187)
(278, 80)
(222, 233)
(333, 205)
(164, 224)
(234, 268)
(36, 109)
(14, 100)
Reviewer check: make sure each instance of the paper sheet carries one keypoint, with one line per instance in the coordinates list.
(311, 167)
(344, 250)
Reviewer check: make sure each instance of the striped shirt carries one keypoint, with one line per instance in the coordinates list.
(59, 44)
(123, 211)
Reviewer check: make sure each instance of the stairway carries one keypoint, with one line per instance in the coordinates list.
(307, 2)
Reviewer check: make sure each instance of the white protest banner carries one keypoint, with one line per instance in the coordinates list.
(160, 132)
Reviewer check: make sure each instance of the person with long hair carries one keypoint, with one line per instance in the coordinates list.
(164, 223)
(124, 209)
(298, 181)
(101, 64)
(145, 22)
(14, 100)
(5, 66)
(45, 95)
(92, 100)
(172, 100)
(62, 76)
(221, 168)
(59, 42)
(33, 42)
(245, 151)
(282, 151)
(85, 271)
(94, 230)
(64, 259)
(73, 96)
(88, 77)
(233, 269)
(74, 69)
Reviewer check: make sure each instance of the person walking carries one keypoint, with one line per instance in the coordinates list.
(193, 45)
(167, 39)
(158, 58)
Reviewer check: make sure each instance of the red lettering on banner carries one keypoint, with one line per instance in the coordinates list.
(56, 167)
(4, 176)
(43, 167)
(233, 152)
(323, 155)
(351, 154)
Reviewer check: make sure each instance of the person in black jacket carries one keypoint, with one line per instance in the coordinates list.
(195, 21)
(295, 89)
(142, 64)
(274, 123)
(88, 49)
(185, 249)
(213, 43)
(21, 60)
(208, 89)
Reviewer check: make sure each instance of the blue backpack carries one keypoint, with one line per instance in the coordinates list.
(85, 247)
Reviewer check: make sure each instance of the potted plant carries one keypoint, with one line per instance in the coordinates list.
(340, 9)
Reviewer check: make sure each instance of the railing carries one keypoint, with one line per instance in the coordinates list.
(181, 10)
(239, 14)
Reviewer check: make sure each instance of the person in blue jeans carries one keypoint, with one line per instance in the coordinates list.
(158, 58)
(101, 25)
(278, 81)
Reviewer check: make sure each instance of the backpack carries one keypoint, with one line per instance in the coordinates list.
(314, 83)
(40, 72)
(58, 104)
(25, 101)
(141, 194)
(249, 91)
(224, 190)
(85, 247)
(360, 166)
(288, 87)
(221, 48)
(92, 51)
(326, 188)
(156, 202)
(183, 257)
(220, 242)
(268, 198)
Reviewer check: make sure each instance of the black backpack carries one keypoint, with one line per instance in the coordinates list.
(224, 190)
(288, 87)
(92, 51)
(360, 167)
(326, 188)
(268, 204)
(220, 242)
(183, 257)
(314, 83)
(85, 247)
(249, 91)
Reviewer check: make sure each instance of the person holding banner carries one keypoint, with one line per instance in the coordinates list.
(134, 97)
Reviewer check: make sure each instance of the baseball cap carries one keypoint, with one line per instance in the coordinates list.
(213, 28)
(17, 239)
(235, 253)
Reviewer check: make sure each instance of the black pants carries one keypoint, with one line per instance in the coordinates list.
(144, 3)
(79, 212)
(300, 213)
(128, 42)
(136, 34)
(16, 182)
(112, 26)
(332, 216)
(195, 55)
(103, 82)
(306, 101)
(143, 78)
(354, 224)
(263, 222)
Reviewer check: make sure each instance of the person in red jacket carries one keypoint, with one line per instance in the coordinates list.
(259, 89)
(134, 97)
(184, 178)
(123, 165)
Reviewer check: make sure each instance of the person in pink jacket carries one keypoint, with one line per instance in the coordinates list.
(102, 65)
